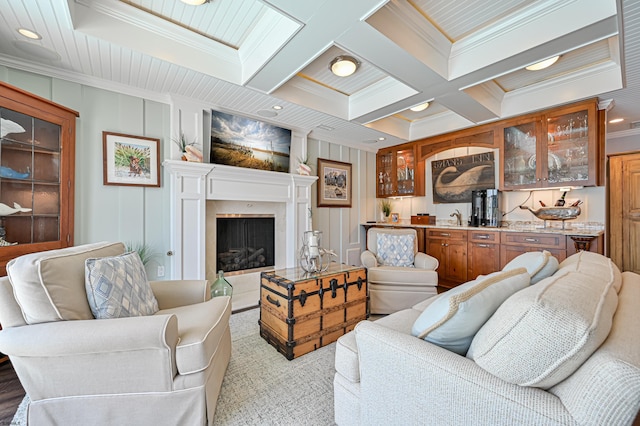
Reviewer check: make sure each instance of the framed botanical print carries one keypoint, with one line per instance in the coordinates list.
(130, 160)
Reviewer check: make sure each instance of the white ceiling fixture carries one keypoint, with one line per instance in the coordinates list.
(194, 2)
(543, 64)
(616, 120)
(420, 107)
(29, 34)
(344, 66)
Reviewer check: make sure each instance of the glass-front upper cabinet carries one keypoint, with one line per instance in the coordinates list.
(520, 150)
(398, 173)
(571, 147)
(36, 174)
(566, 137)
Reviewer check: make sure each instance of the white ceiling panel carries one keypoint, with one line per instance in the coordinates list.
(162, 48)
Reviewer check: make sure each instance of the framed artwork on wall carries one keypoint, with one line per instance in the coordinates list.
(130, 160)
(455, 178)
(334, 183)
(244, 142)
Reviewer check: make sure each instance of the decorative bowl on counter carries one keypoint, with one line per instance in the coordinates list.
(555, 213)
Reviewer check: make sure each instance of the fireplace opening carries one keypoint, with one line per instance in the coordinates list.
(245, 242)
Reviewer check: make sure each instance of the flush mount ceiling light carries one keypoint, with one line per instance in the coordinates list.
(29, 34)
(277, 107)
(543, 64)
(420, 107)
(616, 120)
(344, 66)
(194, 2)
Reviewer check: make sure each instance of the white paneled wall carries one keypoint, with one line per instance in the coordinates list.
(110, 213)
(341, 230)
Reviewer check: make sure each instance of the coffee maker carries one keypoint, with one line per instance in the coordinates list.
(485, 208)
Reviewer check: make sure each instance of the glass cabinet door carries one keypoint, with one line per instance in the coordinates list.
(520, 151)
(568, 148)
(405, 172)
(30, 151)
(385, 168)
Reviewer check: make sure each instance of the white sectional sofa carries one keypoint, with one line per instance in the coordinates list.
(563, 351)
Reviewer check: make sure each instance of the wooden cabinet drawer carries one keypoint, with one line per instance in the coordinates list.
(449, 234)
(484, 236)
(529, 239)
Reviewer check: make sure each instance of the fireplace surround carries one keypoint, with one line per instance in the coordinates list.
(200, 190)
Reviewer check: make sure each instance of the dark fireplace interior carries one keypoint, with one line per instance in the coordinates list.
(245, 242)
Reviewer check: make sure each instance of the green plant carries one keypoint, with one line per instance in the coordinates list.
(183, 143)
(385, 206)
(145, 251)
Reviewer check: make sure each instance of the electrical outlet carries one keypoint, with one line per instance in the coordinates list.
(161, 271)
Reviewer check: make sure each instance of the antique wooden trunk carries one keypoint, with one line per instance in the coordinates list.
(301, 312)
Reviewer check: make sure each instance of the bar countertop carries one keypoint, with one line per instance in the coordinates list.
(553, 227)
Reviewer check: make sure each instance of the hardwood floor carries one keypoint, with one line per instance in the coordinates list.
(11, 393)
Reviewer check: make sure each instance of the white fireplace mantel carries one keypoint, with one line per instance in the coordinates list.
(192, 184)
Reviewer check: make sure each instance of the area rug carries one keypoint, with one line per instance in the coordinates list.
(261, 387)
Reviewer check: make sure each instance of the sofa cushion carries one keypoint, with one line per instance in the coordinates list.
(49, 286)
(201, 328)
(542, 334)
(117, 287)
(593, 264)
(395, 249)
(399, 274)
(539, 264)
(455, 316)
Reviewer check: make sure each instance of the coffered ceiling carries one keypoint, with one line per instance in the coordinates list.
(465, 58)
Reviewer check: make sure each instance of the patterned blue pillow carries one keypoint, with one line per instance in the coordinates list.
(395, 250)
(117, 287)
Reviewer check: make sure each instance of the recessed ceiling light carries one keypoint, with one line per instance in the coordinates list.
(543, 64)
(344, 66)
(382, 139)
(29, 34)
(277, 107)
(267, 113)
(420, 107)
(194, 2)
(616, 120)
(324, 127)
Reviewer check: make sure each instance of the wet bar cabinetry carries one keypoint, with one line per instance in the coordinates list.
(398, 174)
(449, 246)
(484, 253)
(37, 151)
(516, 243)
(566, 137)
(464, 253)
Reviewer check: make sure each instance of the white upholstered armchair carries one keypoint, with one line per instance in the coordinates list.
(398, 274)
(161, 368)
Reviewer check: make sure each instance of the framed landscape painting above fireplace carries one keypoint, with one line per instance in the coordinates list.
(243, 142)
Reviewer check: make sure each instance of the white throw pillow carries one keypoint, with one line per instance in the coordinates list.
(117, 287)
(542, 334)
(539, 264)
(455, 316)
(395, 250)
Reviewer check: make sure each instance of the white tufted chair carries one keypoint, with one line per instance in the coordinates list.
(392, 288)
